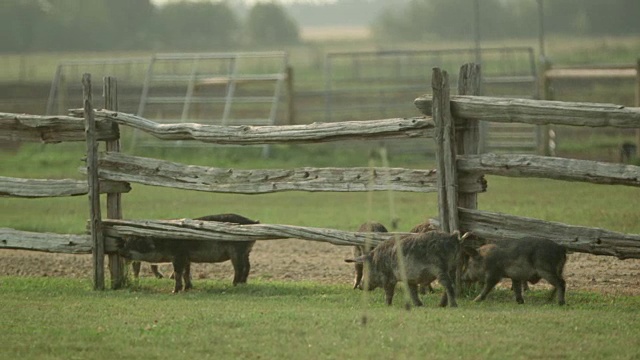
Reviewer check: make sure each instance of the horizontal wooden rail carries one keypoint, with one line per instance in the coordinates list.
(187, 229)
(551, 168)
(254, 135)
(50, 129)
(537, 112)
(38, 188)
(498, 226)
(47, 242)
(148, 171)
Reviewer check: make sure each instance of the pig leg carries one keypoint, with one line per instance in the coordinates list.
(357, 281)
(558, 283)
(186, 276)
(135, 265)
(238, 262)
(389, 289)
(516, 285)
(490, 282)
(154, 270)
(413, 292)
(246, 268)
(179, 265)
(449, 295)
(425, 287)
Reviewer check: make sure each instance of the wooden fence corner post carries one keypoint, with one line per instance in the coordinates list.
(95, 220)
(114, 200)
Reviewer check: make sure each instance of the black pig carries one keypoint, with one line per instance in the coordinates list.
(181, 253)
(422, 228)
(520, 260)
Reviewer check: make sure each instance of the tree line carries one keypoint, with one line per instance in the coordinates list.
(208, 25)
(454, 19)
(63, 25)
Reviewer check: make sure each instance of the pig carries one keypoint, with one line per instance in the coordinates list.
(521, 260)
(135, 265)
(359, 250)
(426, 257)
(422, 228)
(181, 253)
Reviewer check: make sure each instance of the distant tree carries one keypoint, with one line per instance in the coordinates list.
(70, 25)
(454, 19)
(195, 26)
(269, 24)
(593, 17)
(18, 22)
(130, 20)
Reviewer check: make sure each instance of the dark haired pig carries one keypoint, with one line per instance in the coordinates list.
(520, 260)
(426, 257)
(181, 253)
(423, 228)
(359, 250)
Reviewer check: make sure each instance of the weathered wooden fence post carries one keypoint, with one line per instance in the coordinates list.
(446, 158)
(637, 104)
(547, 94)
(95, 219)
(291, 97)
(441, 110)
(468, 135)
(114, 200)
(445, 151)
(468, 143)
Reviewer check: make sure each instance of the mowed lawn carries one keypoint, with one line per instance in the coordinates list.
(54, 318)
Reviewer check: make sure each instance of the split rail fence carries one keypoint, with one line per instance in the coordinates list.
(459, 177)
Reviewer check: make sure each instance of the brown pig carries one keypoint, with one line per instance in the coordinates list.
(425, 257)
(359, 250)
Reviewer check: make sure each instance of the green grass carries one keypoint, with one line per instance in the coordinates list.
(57, 318)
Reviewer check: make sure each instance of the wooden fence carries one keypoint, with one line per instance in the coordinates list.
(456, 121)
(458, 179)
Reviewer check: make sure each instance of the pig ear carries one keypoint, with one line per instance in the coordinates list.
(470, 251)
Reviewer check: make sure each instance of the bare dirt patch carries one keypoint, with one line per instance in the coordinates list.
(297, 260)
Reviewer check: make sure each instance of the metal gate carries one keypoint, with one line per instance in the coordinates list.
(370, 85)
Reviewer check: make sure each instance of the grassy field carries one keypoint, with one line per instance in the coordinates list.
(55, 318)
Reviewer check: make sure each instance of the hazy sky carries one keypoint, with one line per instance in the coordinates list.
(161, 2)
